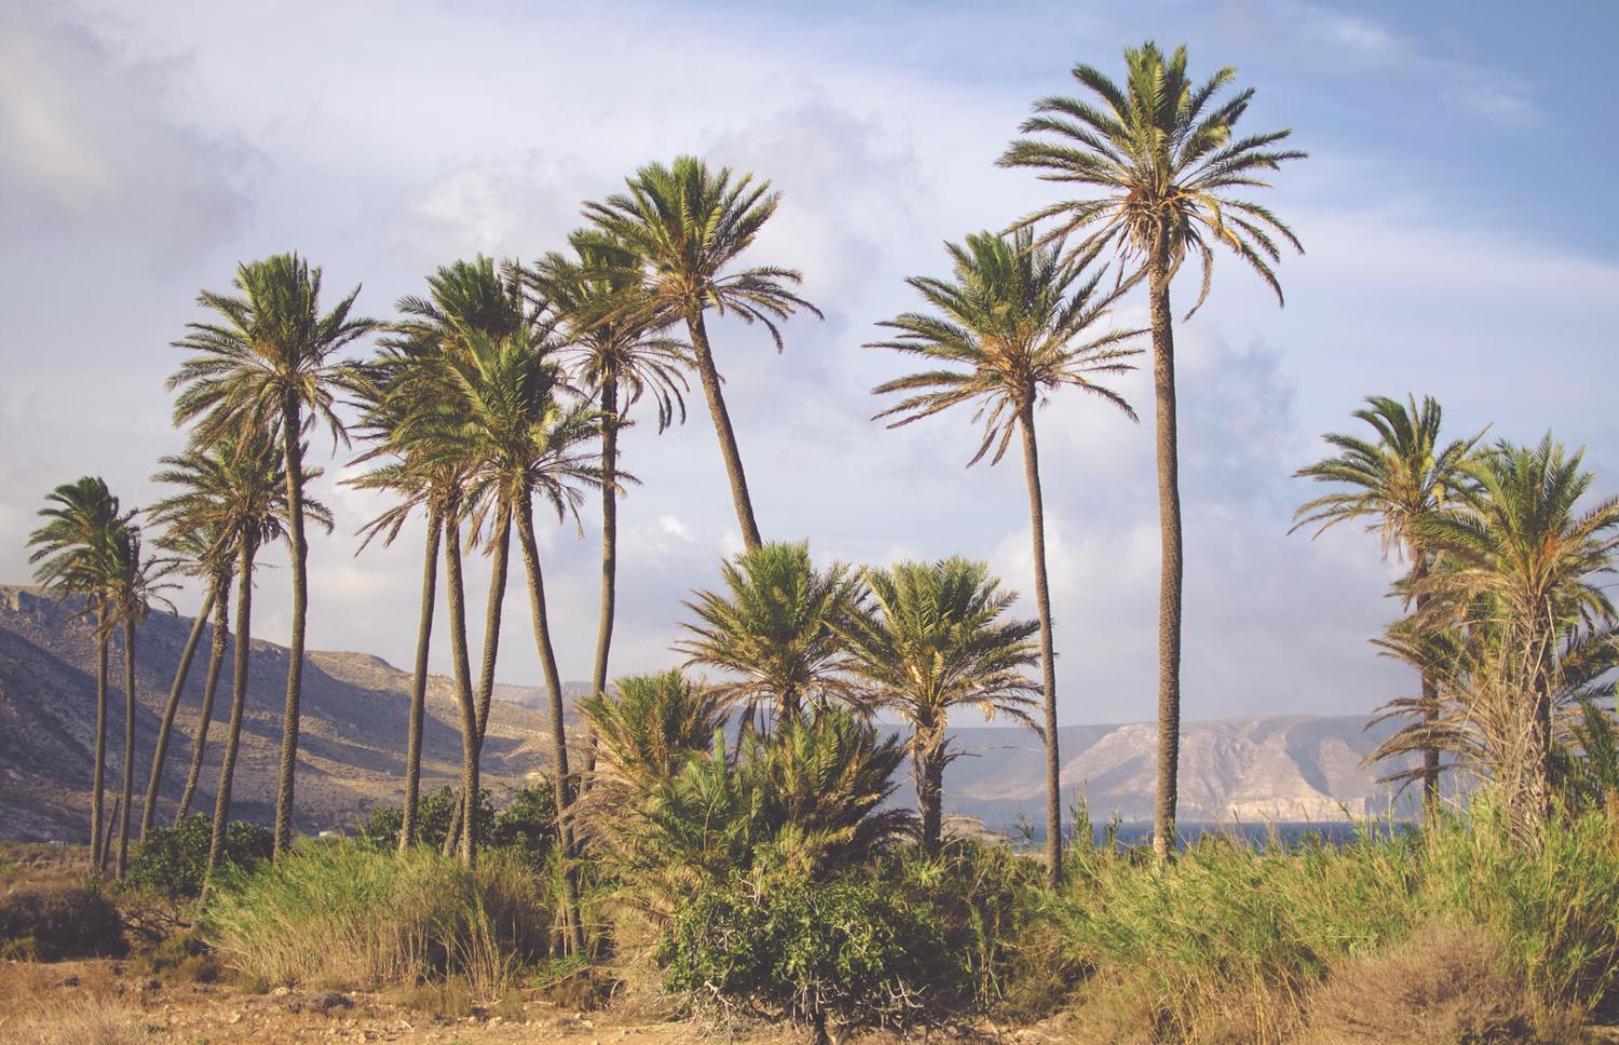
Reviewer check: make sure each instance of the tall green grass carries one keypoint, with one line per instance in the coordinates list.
(343, 915)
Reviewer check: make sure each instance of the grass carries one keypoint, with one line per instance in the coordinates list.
(346, 916)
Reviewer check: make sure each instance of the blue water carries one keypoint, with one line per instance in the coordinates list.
(1285, 834)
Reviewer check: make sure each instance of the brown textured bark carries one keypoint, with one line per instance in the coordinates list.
(418, 685)
(559, 736)
(99, 772)
(127, 791)
(161, 750)
(604, 627)
(927, 768)
(205, 716)
(1170, 567)
(290, 433)
(1048, 668)
(710, 377)
(455, 590)
(238, 686)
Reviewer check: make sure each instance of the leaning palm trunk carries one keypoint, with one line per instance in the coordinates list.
(1048, 670)
(491, 653)
(98, 774)
(456, 592)
(160, 752)
(559, 737)
(127, 792)
(205, 716)
(233, 736)
(604, 629)
(418, 686)
(1170, 569)
(291, 429)
(722, 427)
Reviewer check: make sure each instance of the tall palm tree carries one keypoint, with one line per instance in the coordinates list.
(236, 490)
(507, 421)
(268, 362)
(1016, 323)
(464, 299)
(1155, 162)
(70, 555)
(137, 582)
(936, 639)
(1391, 483)
(688, 224)
(774, 631)
(1522, 560)
(190, 549)
(612, 324)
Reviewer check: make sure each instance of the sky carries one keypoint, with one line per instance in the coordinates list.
(1458, 242)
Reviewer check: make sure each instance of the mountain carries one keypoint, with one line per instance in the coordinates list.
(351, 754)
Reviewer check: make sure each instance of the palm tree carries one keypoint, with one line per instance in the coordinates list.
(137, 581)
(687, 225)
(1391, 484)
(219, 589)
(938, 639)
(611, 324)
(71, 556)
(1156, 161)
(190, 548)
(1016, 323)
(774, 630)
(1521, 563)
(236, 490)
(268, 363)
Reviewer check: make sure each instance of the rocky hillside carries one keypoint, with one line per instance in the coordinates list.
(1275, 768)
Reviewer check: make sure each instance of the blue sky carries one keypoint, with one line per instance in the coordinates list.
(1459, 243)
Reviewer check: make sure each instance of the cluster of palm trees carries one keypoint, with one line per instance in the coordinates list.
(508, 384)
(1506, 623)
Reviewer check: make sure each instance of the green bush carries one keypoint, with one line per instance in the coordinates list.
(173, 860)
(380, 829)
(854, 951)
(527, 825)
(53, 922)
(344, 915)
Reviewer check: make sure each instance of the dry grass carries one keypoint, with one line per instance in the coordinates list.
(86, 1020)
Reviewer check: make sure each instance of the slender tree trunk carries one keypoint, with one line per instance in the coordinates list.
(456, 592)
(491, 651)
(418, 685)
(160, 752)
(1169, 578)
(1430, 706)
(559, 736)
(293, 448)
(1048, 669)
(128, 790)
(238, 703)
(722, 427)
(927, 766)
(604, 629)
(205, 717)
(99, 773)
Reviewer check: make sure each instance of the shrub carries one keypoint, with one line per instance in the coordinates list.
(527, 825)
(381, 828)
(53, 922)
(852, 950)
(347, 916)
(173, 860)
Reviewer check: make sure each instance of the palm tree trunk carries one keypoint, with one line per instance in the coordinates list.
(99, 773)
(722, 427)
(418, 685)
(604, 629)
(293, 449)
(233, 736)
(491, 652)
(1430, 705)
(1048, 669)
(927, 767)
(1170, 568)
(127, 792)
(456, 591)
(205, 717)
(559, 736)
(160, 752)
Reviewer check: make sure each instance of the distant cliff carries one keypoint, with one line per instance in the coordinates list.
(352, 749)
